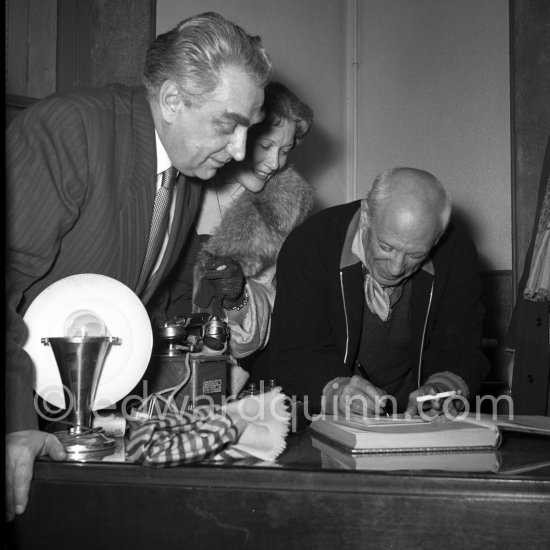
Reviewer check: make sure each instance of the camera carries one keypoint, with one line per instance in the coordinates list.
(190, 334)
(188, 365)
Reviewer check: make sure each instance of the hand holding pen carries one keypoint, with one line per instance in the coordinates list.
(365, 398)
(380, 402)
(356, 395)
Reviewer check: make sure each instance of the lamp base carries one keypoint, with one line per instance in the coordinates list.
(88, 445)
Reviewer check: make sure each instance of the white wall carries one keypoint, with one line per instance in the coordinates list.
(432, 91)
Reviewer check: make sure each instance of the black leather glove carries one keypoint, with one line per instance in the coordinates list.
(227, 278)
(223, 284)
(206, 294)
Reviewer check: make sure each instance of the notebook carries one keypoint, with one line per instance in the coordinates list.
(460, 461)
(532, 424)
(358, 435)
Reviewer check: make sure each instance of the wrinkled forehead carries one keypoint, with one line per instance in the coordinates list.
(405, 228)
(236, 95)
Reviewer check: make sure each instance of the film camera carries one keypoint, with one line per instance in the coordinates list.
(188, 334)
(188, 365)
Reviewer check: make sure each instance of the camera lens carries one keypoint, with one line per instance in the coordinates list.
(215, 334)
(213, 343)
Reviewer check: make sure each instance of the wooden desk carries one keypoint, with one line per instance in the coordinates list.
(292, 504)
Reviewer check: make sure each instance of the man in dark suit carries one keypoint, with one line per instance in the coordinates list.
(83, 169)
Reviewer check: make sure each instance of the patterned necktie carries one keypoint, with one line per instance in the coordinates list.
(159, 223)
(379, 299)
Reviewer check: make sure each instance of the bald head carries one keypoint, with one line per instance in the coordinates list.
(406, 212)
(413, 197)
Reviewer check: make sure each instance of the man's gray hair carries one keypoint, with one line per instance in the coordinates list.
(193, 53)
(387, 182)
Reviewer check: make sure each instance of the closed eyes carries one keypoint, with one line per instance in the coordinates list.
(389, 249)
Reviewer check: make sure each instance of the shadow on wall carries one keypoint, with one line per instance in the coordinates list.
(497, 299)
(313, 156)
(472, 227)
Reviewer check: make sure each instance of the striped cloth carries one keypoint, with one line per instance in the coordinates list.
(255, 426)
(180, 438)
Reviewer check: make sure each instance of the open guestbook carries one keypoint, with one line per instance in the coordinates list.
(358, 435)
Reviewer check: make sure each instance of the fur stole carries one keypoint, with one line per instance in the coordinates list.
(255, 226)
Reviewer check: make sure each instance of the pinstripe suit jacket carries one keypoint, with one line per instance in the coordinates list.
(81, 181)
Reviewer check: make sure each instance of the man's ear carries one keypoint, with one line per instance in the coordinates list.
(170, 101)
(364, 216)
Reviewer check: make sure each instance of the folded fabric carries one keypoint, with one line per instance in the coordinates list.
(537, 287)
(237, 379)
(180, 438)
(267, 423)
(254, 426)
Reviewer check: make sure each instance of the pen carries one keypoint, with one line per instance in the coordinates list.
(440, 395)
(366, 377)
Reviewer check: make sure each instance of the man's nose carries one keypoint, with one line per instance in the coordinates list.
(237, 146)
(396, 264)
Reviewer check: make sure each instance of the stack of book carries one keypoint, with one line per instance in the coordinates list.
(395, 443)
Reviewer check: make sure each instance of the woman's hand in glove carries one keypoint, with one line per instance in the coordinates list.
(227, 278)
(222, 284)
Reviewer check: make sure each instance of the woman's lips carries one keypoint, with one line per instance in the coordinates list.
(263, 175)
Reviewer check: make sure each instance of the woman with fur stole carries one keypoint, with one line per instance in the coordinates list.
(247, 243)
(248, 210)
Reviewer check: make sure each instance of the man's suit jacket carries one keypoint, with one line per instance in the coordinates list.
(81, 173)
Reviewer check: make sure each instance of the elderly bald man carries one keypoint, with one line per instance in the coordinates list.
(378, 303)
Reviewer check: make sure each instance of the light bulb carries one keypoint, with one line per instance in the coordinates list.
(84, 323)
